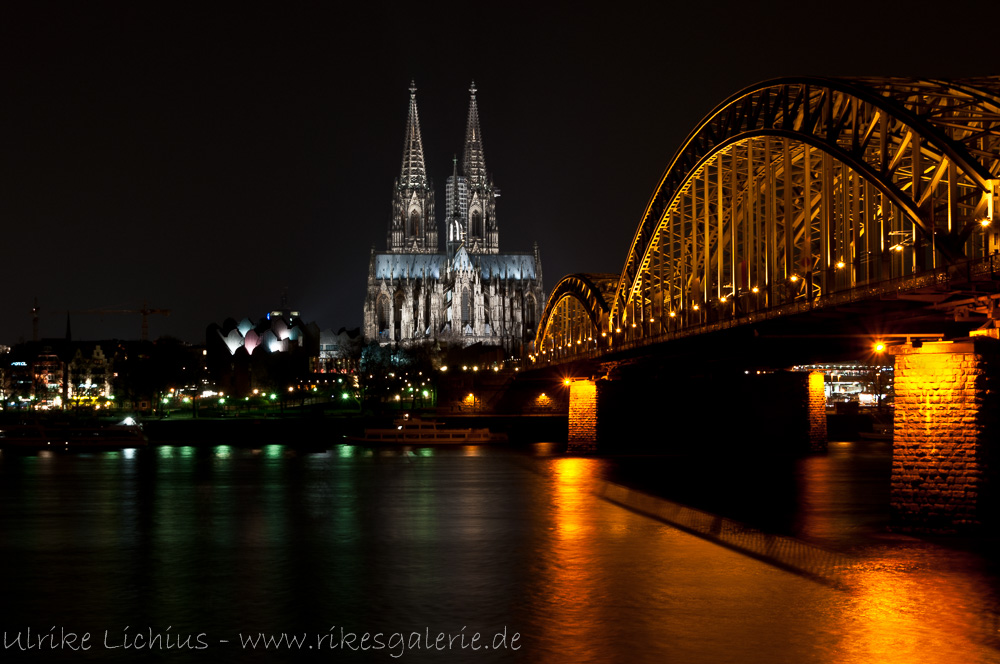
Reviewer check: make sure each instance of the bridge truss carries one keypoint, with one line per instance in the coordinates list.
(799, 190)
(576, 315)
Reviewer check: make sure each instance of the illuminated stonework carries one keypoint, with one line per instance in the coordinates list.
(944, 420)
(582, 416)
(816, 411)
(469, 294)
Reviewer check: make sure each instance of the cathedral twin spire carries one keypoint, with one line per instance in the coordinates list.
(413, 173)
(473, 162)
(470, 197)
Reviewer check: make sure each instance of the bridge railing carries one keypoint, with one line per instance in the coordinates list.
(979, 269)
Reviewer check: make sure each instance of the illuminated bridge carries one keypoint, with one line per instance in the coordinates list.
(809, 207)
(800, 194)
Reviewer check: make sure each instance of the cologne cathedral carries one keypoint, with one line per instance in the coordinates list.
(472, 292)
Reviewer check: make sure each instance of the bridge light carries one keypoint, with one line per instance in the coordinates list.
(985, 222)
(651, 320)
(695, 307)
(673, 314)
(896, 247)
(879, 346)
(754, 290)
(633, 325)
(618, 329)
(566, 381)
(722, 298)
(604, 334)
(840, 265)
(794, 278)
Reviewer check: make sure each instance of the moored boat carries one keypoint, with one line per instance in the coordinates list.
(418, 431)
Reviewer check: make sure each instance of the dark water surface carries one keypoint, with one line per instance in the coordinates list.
(212, 545)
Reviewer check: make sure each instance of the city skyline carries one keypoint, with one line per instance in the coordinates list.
(207, 163)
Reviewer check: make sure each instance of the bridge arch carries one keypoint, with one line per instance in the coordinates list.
(576, 314)
(799, 190)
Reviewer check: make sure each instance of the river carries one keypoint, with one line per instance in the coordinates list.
(182, 553)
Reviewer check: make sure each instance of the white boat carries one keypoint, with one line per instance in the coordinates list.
(417, 431)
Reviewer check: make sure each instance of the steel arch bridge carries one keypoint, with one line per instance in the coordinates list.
(576, 315)
(797, 193)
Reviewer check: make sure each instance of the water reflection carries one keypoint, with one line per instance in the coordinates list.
(222, 539)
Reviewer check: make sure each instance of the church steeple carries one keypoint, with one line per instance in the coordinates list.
(414, 172)
(412, 228)
(473, 160)
(481, 235)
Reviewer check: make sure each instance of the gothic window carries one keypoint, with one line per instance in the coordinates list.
(466, 308)
(529, 312)
(486, 309)
(397, 311)
(382, 313)
(416, 308)
(427, 310)
(415, 223)
(477, 224)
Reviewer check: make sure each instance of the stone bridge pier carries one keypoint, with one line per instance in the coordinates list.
(945, 433)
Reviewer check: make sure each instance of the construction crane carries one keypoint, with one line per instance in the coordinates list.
(145, 311)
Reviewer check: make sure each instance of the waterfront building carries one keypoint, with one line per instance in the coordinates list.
(89, 374)
(472, 292)
(339, 351)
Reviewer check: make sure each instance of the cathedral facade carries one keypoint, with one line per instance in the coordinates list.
(470, 293)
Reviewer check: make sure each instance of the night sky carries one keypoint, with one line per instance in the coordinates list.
(205, 160)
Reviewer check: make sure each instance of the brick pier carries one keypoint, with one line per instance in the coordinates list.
(582, 416)
(944, 426)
